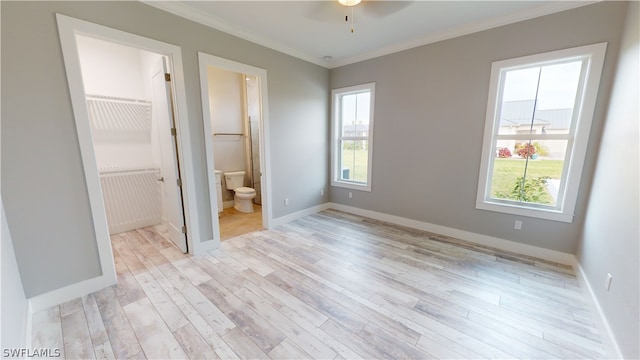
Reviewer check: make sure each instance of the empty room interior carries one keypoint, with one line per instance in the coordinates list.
(320, 179)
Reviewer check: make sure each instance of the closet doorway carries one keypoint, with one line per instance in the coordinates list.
(130, 107)
(126, 109)
(235, 121)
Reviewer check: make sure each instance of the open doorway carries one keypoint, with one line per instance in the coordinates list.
(235, 123)
(170, 58)
(130, 113)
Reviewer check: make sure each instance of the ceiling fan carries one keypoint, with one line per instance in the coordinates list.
(344, 10)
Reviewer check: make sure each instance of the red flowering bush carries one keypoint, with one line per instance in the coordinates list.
(504, 152)
(525, 150)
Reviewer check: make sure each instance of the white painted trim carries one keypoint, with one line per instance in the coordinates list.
(207, 246)
(300, 214)
(611, 346)
(551, 255)
(61, 295)
(28, 337)
(204, 61)
(515, 209)
(221, 24)
(68, 28)
(547, 8)
(336, 164)
(610, 343)
(592, 58)
(498, 243)
(187, 12)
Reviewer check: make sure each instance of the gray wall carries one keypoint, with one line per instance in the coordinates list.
(15, 307)
(611, 233)
(429, 122)
(43, 184)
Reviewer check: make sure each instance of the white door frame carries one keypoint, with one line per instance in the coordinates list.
(68, 28)
(204, 61)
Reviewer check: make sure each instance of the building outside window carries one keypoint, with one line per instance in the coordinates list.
(352, 135)
(539, 115)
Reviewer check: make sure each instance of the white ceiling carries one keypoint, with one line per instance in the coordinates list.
(315, 30)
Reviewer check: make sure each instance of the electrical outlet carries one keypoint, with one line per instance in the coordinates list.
(322, 192)
(350, 195)
(286, 202)
(517, 225)
(607, 284)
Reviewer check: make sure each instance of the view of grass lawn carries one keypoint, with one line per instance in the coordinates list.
(507, 171)
(356, 162)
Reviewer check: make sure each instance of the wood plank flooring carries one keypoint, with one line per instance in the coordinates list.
(234, 223)
(328, 286)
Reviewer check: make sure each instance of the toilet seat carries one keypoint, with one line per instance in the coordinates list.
(243, 199)
(245, 190)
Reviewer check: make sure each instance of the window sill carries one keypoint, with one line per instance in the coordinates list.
(352, 186)
(526, 211)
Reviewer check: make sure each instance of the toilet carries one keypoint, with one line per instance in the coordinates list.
(243, 198)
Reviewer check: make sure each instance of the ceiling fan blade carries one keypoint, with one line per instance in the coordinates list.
(327, 11)
(375, 8)
(333, 12)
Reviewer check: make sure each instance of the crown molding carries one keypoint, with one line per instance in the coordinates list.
(185, 11)
(542, 10)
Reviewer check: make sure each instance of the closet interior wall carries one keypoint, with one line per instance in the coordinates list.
(118, 94)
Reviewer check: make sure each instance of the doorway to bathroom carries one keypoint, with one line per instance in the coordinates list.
(233, 100)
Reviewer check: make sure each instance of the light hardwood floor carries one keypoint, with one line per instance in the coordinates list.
(234, 223)
(328, 286)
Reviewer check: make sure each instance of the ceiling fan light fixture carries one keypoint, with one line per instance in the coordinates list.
(349, 2)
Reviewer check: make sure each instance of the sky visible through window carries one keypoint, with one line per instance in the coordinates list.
(558, 85)
(355, 110)
(354, 149)
(536, 100)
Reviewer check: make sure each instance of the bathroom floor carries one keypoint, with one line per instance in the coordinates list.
(234, 223)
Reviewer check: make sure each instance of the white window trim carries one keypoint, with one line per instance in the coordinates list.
(569, 193)
(335, 137)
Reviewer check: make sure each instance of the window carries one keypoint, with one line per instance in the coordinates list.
(352, 135)
(537, 127)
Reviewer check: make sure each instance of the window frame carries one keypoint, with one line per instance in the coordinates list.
(337, 138)
(578, 140)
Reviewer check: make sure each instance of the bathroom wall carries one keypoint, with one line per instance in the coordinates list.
(114, 70)
(227, 116)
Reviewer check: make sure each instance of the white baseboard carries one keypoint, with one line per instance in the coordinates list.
(29, 327)
(205, 246)
(611, 345)
(59, 296)
(551, 255)
(502, 244)
(298, 214)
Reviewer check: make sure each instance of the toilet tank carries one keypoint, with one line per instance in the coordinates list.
(234, 179)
